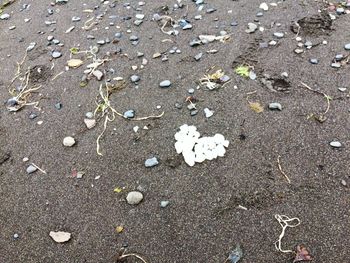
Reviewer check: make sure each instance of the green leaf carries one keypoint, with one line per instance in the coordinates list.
(243, 71)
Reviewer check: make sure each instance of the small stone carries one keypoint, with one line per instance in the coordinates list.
(336, 65)
(264, 6)
(313, 60)
(272, 43)
(198, 56)
(68, 141)
(151, 162)
(75, 19)
(165, 84)
(101, 42)
(340, 10)
(339, 57)
(263, 45)
(342, 89)
(343, 182)
(191, 90)
(347, 46)
(129, 114)
(194, 112)
(56, 54)
(284, 75)
(135, 78)
(164, 204)
(275, 106)
(133, 38)
(208, 113)
(298, 39)
(12, 27)
(98, 74)
(90, 123)
(298, 51)
(89, 115)
(15, 236)
(259, 14)
(25, 159)
(5, 16)
(134, 197)
(32, 116)
(178, 105)
(31, 169)
(278, 34)
(60, 237)
(335, 144)
(58, 105)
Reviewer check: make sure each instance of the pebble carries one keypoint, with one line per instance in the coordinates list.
(343, 182)
(208, 113)
(194, 112)
(140, 16)
(5, 16)
(342, 89)
(89, 115)
(347, 46)
(98, 74)
(31, 46)
(275, 106)
(75, 19)
(129, 114)
(298, 50)
(31, 169)
(56, 54)
(264, 6)
(336, 65)
(278, 34)
(151, 162)
(135, 78)
(251, 28)
(339, 57)
(164, 204)
(68, 141)
(134, 197)
(90, 123)
(335, 144)
(198, 56)
(313, 60)
(165, 84)
(178, 105)
(191, 90)
(15, 236)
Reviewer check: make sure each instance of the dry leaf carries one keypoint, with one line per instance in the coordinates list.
(74, 63)
(255, 106)
(118, 190)
(60, 237)
(302, 254)
(119, 229)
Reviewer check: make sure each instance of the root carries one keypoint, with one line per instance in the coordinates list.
(280, 168)
(285, 222)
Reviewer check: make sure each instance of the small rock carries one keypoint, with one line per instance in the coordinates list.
(342, 89)
(90, 123)
(336, 65)
(68, 141)
(335, 144)
(278, 34)
(31, 169)
(275, 106)
(208, 113)
(151, 162)
(165, 84)
(135, 78)
(98, 74)
(164, 204)
(314, 61)
(129, 114)
(343, 182)
(198, 56)
(134, 197)
(56, 54)
(15, 236)
(347, 46)
(60, 237)
(89, 115)
(264, 6)
(5, 16)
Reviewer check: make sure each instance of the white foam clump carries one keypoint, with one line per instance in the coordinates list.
(195, 149)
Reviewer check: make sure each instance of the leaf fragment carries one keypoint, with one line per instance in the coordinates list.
(256, 106)
(243, 71)
(74, 63)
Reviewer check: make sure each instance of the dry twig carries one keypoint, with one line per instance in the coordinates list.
(280, 168)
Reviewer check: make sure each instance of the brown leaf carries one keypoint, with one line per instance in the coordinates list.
(302, 254)
(256, 106)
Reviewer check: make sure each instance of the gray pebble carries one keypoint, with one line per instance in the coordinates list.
(198, 56)
(129, 114)
(31, 169)
(56, 54)
(165, 84)
(335, 144)
(135, 78)
(313, 60)
(151, 162)
(134, 197)
(5, 16)
(164, 204)
(275, 106)
(75, 19)
(339, 57)
(336, 65)
(89, 115)
(194, 112)
(178, 105)
(278, 34)
(191, 91)
(347, 46)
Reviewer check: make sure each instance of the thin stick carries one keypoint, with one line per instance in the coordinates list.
(37, 167)
(328, 98)
(59, 74)
(133, 255)
(280, 168)
(285, 222)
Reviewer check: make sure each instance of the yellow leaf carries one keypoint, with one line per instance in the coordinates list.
(74, 63)
(242, 71)
(255, 106)
(119, 229)
(118, 190)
